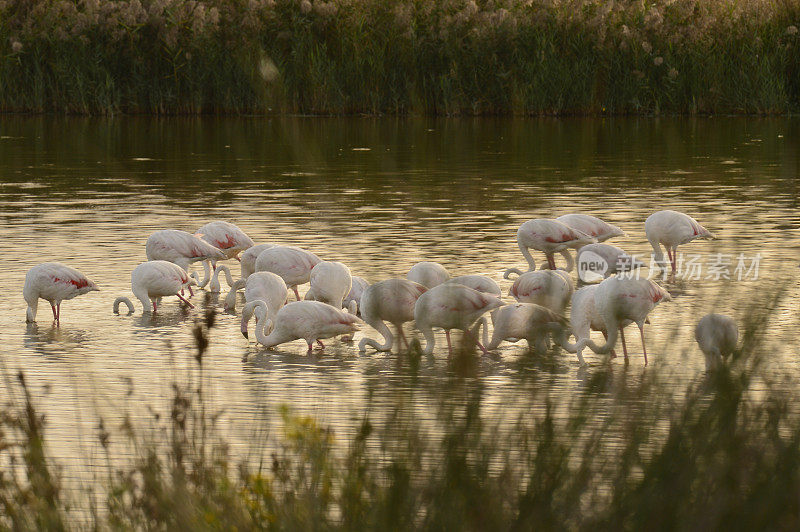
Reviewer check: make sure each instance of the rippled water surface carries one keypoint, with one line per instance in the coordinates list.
(378, 195)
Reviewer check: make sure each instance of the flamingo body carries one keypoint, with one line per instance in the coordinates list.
(249, 256)
(226, 237)
(591, 226)
(610, 260)
(330, 283)
(308, 320)
(716, 334)
(353, 299)
(551, 289)
(291, 263)
(152, 280)
(672, 229)
(392, 300)
(481, 283)
(450, 306)
(53, 282)
(524, 320)
(263, 286)
(428, 274)
(180, 247)
(550, 237)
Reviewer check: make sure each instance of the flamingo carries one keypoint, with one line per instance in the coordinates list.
(249, 256)
(152, 280)
(672, 229)
(291, 263)
(481, 283)
(549, 236)
(353, 299)
(618, 299)
(181, 248)
(53, 282)
(263, 286)
(226, 237)
(451, 306)
(523, 320)
(591, 226)
(330, 283)
(214, 287)
(584, 318)
(551, 289)
(600, 261)
(428, 274)
(310, 320)
(392, 300)
(716, 334)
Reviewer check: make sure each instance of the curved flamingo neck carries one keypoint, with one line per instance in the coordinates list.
(388, 337)
(528, 257)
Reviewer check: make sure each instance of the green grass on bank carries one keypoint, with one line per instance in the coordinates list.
(522, 57)
(726, 455)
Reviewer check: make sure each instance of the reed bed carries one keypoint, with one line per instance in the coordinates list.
(447, 57)
(724, 455)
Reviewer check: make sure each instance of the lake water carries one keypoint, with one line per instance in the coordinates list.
(378, 195)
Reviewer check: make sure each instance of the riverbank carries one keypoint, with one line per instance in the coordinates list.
(583, 57)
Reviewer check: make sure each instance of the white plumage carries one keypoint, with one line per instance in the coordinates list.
(451, 306)
(291, 263)
(263, 286)
(150, 281)
(672, 229)
(428, 274)
(392, 300)
(717, 335)
(523, 320)
(311, 321)
(181, 248)
(330, 282)
(226, 237)
(550, 237)
(53, 282)
(549, 288)
(481, 283)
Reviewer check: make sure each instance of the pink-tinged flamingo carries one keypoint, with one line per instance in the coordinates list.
(182, 248)
(551, 289)
(428, 274)
(150, 281)
(311, 321)
(226, 237)
(249, 256)
(532, 322)
(591, 226)
(619, 299)
(291, 263)
(392, 300)
(672, 229)
(54, 283)
(550, 237)
(263, 286)
(451, 306)
(481, 283)
(717, 335)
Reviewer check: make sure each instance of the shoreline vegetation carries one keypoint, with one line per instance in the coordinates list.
(725, 455)
(422, 57)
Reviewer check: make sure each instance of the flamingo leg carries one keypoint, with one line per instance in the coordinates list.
(55, 316)
(613, 353)
(58, 313)
(644, 349)
(310, 348)
(468, 333)
(321, 345)
(449, 345)
(296, 293)
(191, 293)
(624, 347)
(551, 261)
(184, 300)
(155, 306)
(674, 258)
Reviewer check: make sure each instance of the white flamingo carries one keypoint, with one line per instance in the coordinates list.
(585, 318)
(591, 226)
(353, 299)
(226, 237)
(263, 286)
(717, 335)
(392, 300)
(53, 282)
(428, 274)
(549, 288)
(182, 248)
(150, 281)
(291, 263)
(599, 261)
(550, 237)
(330, 282)
(214, 286)
(672, 229)
(481, 283)
(618, 299)
(311, 321)
(532, 322)
(249, 256)
(451, 306)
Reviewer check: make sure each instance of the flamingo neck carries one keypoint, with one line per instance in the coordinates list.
(430, 340)
(611, 341)
(388, 337)
(30, 313)
(528, 257)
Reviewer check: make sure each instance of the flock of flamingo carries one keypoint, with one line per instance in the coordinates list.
(337, 303)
